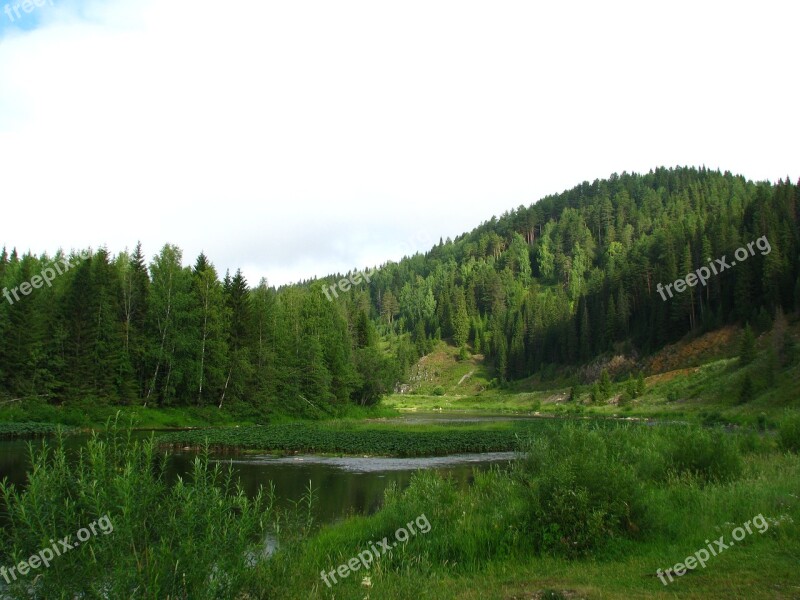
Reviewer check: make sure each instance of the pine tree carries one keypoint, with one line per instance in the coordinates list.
(605, 385)
(460, 318)
(210, 316)
(747, 347)
(135, 289)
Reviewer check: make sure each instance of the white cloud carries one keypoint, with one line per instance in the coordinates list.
(298, 138)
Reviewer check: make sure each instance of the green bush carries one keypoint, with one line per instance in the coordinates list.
(707, 454)
(789, 433)
(438, 391)
(191, 539)
(580, 493)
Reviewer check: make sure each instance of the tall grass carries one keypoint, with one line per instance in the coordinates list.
(584, 492)
(789, 433)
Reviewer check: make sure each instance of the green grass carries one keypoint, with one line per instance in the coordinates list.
(592, 512)
(441, 371)
(511, 534)
(707, 393)
(92, 414)
(494, 401)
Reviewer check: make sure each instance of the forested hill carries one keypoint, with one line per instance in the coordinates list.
(570, 276)
(557, 283)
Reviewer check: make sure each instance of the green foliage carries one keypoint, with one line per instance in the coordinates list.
(191, 539)
(335, 437)
(710, 456)
(581, 494)
(746, 388)
(560, 282)
(641, 387)
(595, 394)
(605, 385)
(610, 488)
(23, 430)
(747, 346)
(789, 433)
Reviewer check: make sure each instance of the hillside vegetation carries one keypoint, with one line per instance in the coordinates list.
(558, 287)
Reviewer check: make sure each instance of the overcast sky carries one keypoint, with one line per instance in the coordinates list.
(296, 138)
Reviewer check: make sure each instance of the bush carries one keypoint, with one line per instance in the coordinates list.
(468, 527)
(581, 494)
(789, 434)
(192, 539)
(710, 456)
(438, 391)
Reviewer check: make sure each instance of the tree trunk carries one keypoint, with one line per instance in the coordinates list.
(225, 389)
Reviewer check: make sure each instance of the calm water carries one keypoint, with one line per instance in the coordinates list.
(343, 485)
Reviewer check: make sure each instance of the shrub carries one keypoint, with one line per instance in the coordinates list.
(605, 385)
(580, 493)
(438, 391)
(708, 455)
(192, 539)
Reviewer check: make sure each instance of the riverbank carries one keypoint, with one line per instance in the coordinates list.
(591, 509)
(601, 515)
(93, 415)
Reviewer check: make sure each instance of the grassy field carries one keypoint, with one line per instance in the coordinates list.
(697, 380)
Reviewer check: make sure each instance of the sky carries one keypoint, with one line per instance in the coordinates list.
(297, 139)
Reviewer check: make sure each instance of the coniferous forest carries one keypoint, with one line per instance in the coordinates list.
(555, 284)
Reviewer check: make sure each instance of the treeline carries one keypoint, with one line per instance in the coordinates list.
(575, 275)
(557, 283)
(115, 329)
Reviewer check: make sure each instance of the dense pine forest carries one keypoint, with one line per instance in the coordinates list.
(555, 284)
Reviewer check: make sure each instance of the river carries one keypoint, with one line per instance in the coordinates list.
(343, 486)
